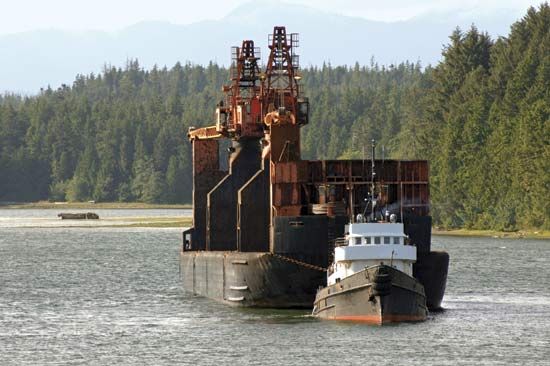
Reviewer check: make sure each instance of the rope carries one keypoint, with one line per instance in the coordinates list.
(300, 263)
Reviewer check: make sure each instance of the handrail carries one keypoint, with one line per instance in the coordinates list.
(340, 242)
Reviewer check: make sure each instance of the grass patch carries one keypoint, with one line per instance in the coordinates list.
(529, 234)
(151, 222)
(181, 224)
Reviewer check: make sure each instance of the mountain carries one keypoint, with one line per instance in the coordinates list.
(35, 59)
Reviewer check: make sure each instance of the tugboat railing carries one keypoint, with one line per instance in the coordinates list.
(340, 242)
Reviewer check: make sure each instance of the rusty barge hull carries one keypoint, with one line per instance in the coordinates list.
(261, 280)
(265, 280)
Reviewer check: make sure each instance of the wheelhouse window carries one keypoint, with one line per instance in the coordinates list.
(376, 240)
(357, 240)
(396, 240)
(387, 240)
(367, 240)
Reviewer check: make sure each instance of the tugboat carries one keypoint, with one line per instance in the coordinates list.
(371, 278)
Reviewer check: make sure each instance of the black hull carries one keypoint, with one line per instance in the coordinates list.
(257, 279)
(261, 279)
(364, 297)
(431, 270)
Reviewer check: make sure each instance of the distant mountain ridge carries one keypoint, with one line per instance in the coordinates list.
(35, 59)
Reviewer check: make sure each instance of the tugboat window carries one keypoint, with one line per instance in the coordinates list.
(367, 239)
(387, 240)
(357, 241)
(376, 240)
(396, 240)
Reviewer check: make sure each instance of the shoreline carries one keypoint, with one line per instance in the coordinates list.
(90, 206)
(110, 222)
(176, 222)
(520, 234)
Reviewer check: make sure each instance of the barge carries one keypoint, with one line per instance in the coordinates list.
(264, 228)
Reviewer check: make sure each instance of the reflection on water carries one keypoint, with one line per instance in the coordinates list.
(102, 296)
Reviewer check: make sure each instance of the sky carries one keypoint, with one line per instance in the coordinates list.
(111, 15)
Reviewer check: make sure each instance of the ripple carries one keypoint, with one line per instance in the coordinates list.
(101, 296)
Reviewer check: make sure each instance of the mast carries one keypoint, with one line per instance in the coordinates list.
(372, 187)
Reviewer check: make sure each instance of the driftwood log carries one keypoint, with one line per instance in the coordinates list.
(78, 216)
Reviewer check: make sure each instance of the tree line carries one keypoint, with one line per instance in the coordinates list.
(481, 117)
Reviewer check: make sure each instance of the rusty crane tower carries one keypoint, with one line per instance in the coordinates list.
(261, 115)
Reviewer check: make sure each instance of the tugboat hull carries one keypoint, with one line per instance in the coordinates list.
(376, 295)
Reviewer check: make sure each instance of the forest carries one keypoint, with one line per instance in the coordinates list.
(481, 117)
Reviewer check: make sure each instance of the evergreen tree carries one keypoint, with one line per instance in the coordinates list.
(481, 117)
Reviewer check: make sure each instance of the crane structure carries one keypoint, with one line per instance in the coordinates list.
(268, 187)
(239, 114)
(256, 100)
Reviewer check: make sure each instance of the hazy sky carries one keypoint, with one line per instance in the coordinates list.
(24, 15)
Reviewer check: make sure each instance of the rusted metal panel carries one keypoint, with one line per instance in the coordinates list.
(285, 143)
(401, 184)
(337, 170)
(205, 156)
(414, 171)
(360, 169)
(386, 170)
(415, 194)
(315, 168)
(391, 171)
(289, 172)
(289, 210)
(286, 194)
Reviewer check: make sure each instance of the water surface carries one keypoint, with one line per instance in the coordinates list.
(109, 296)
